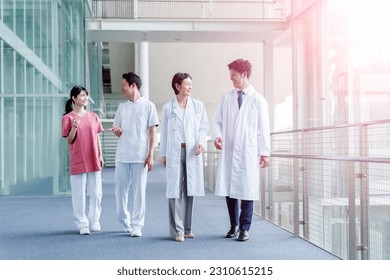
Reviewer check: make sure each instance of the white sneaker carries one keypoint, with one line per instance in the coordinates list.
(136, 232)
(179, 238)
(95, 226)
(128, 229)
(84, 231)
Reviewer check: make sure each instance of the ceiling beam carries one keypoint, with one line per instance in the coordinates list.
(103, 30)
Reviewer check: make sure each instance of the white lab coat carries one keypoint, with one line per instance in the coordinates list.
(245, 136)
(195, 131)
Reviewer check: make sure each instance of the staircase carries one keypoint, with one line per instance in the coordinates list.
(109, 142)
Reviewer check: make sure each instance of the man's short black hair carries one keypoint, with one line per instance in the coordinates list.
(132, 78)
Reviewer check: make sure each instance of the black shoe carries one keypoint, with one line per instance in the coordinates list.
(243, 236)
(232, 232)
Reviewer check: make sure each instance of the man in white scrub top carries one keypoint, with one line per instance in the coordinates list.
(241, 132)
(135, 124)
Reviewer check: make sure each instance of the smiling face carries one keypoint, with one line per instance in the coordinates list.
(81, 99)
(126, 90)
(129, 91)
(185, 87)
(240, 80)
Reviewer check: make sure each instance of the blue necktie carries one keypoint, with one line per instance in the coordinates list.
(240, 98)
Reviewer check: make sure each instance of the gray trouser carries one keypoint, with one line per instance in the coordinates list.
(180, 209)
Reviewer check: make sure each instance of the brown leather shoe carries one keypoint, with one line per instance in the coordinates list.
(190, 235)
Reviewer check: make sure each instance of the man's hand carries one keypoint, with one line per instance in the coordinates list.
(149, 162)
(116, 130)
(264, 161)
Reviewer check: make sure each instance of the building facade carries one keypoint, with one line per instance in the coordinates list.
(41, 57)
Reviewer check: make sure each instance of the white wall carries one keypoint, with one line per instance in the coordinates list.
(121, 61)
(206, 63)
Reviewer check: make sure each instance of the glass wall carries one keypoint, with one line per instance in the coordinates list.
(359, 60)
(41, 58)
(359, 79)
(341, 95)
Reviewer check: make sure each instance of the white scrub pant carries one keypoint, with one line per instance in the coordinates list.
(83, 185)
(130, 175)
(181, 209)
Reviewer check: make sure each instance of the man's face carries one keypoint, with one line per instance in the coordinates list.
(239, 80)
(126, 88)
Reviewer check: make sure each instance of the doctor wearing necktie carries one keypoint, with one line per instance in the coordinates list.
(241, 132)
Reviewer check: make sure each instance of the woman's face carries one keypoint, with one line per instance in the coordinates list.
(185, 87)
(81, 99)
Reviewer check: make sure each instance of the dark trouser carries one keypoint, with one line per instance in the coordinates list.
(243, 220)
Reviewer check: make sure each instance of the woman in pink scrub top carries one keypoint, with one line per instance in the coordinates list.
(81, 129)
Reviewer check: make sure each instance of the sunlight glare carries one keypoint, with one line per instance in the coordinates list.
(368, 30)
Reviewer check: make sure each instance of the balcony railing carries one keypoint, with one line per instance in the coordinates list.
(330, 186)
(192, 9)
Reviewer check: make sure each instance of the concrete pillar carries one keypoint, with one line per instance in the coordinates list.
(143, 67)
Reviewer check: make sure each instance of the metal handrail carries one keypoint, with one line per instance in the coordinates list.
(334, 158)
(329, 127)
(328, 199)
(359, 180)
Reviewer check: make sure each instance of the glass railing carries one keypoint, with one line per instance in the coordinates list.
(194, 9)
(328, 185)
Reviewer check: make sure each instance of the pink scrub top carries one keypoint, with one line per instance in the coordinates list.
(84, 151)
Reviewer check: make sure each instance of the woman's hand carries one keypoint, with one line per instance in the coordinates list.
(218, 143)
(164, 161)
(198, 149)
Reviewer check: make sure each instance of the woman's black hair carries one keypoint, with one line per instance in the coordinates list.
(73, 93)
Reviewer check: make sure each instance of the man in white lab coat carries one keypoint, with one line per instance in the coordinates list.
(241, 131)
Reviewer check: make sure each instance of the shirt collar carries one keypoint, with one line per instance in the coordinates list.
(245, 90)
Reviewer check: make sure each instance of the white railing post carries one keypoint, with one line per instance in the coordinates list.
(364, 194)
(135, 9)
